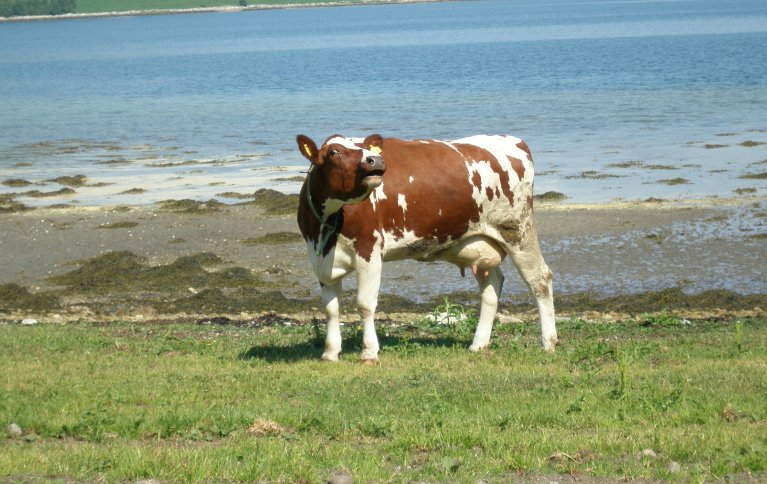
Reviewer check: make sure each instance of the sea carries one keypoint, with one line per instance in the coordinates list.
(618, 99)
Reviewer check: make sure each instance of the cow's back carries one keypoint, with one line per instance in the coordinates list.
(437, 192)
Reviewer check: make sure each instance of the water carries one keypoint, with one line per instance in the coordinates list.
(612, 96)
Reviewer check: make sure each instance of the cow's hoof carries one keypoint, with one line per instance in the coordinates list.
(477, 348)
(550, 346)
(329, 358)
(370, 361)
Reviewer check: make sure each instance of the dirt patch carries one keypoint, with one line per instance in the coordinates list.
(712, 146)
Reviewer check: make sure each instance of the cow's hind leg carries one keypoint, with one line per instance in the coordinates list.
(490, 284)
(330, 296)
(526, 255)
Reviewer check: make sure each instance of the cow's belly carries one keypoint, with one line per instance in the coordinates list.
(477, 251)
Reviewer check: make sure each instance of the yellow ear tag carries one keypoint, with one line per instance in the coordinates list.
(375, 150)
(307, 150)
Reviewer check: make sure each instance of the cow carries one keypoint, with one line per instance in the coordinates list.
(468, 202)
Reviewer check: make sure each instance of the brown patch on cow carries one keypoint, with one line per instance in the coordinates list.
(523, 146)
(476, 180)
(518, 166)
(489, 193)
(530, 201)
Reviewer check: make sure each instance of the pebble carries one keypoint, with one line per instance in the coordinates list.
(14, 430)
(674, 467)
(649, 453)
(28, 321)
(340, 478)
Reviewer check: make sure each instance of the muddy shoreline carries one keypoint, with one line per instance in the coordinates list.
(190, 260)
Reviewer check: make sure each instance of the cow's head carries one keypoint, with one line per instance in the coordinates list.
(350, 168)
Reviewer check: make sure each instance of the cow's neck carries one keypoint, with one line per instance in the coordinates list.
(322, 205)
(324, 212)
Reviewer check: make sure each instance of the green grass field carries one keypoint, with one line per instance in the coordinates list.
(657, 398)
(95, 6)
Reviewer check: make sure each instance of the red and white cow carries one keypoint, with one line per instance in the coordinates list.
(468, 201)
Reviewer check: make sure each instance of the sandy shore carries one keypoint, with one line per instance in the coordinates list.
(194, 259)
(222, 9)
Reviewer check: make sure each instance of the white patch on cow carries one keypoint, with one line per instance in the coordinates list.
(410, 179)
(440, 212)
(402, 203)
(332, 205)
(377, 195)
(502, 147)
(488, 179)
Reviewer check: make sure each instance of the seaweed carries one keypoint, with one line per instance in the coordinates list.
(71, 181)
(191, 206)
(550, 196)
(16, 182)
(16, 297)
(274, 202)
(276, 238)
(117, 272)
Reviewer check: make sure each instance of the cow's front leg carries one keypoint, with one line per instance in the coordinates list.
(368, 283)
(330, 296)
(490, 285)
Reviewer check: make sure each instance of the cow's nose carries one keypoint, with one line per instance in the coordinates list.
(375, 162)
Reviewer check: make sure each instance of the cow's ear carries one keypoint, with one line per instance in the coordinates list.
(308, 148)
(374, 142)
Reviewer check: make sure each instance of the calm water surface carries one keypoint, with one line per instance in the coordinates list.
(613, 96)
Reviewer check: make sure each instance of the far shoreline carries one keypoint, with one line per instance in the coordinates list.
(222, 9)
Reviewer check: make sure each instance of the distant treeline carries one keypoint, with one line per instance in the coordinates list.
(15, 8)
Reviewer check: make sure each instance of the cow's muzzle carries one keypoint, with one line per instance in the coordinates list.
(373, 169)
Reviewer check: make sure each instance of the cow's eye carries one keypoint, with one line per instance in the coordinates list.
(333, 152)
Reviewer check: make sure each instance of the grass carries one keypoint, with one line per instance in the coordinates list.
(94, 6)
(190, 403)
